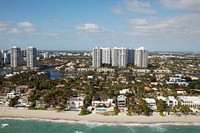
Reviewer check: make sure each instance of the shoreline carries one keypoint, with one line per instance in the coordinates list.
(120, 119)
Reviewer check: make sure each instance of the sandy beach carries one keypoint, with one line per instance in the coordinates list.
(6, 112)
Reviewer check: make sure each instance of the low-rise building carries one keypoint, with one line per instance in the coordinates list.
(85, 69)
(161, 98)
(75, 103)
(107, 103)
(11, 95)
(151, 103)
(121, 101)
(177, 80)
(141, 70)
(162, 71)
(193, 101)
(171, 101)
(105, 70)
(124, 91)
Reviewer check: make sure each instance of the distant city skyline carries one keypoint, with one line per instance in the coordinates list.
(158, 25)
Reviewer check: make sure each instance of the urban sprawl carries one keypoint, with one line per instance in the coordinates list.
(107, 81)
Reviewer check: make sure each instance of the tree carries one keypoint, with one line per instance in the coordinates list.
(161, 105)
(85, 112)
(145, 109)
(13, 101)
(116, 110)
(185, 110)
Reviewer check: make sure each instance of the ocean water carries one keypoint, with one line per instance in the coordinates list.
(47, 126)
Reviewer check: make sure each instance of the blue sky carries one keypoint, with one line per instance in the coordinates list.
(158, 25)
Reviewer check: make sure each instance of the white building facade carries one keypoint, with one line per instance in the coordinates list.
(15, 56)
(192, 101)
(31, 57)
(151, 103)
(141, 56)
(116, 57)
(97, 57)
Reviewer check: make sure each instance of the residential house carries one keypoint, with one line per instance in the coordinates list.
(75, 103)
(177, 80)
(124, 91)
(107, 103)
(151, 103)
(11, 95)
(171, 101)
(121, 101)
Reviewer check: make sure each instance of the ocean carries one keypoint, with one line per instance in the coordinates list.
(57, 126)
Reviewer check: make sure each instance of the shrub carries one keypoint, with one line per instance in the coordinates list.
(161, 114)
(85, 112)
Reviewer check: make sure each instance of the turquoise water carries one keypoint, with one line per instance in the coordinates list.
(41, 126)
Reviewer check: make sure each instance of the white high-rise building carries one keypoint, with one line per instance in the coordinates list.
(106, 55)
(7, 58)
(141, 56)
(123, 57)
(115, 56)
(97, 57)
(15, 56)
(119, 57)
(31, 55)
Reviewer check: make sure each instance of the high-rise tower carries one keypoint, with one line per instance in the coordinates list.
(141, 56)
(31, 57)
(97, 57)
(15, 56)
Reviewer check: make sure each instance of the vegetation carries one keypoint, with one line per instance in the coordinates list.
(103, 85)
(185, 110)
(85, 112)
(116, 110)
(161, 105)
(13, 101)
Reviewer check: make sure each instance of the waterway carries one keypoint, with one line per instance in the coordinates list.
(53, 74)
(2, 72)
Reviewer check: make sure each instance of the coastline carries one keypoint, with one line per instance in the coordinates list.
(72, 116)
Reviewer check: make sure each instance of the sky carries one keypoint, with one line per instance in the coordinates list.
(157, 25)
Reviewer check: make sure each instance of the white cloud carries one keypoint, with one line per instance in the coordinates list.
(17, 28)
(14, 31)
(133, 6)
(118, 10)
(189, 5)
(89, 27)
(137, 21)
(182, 28)
(4, 26)
(27, 27)
(139, 6)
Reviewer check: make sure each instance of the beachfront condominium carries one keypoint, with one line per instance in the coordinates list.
(15, 56)
(106, 56)
(116, 57)
(120, 56)
(140, 57)
(97, 57)
(31, 55)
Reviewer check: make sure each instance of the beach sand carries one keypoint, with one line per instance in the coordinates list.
(7, 112)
